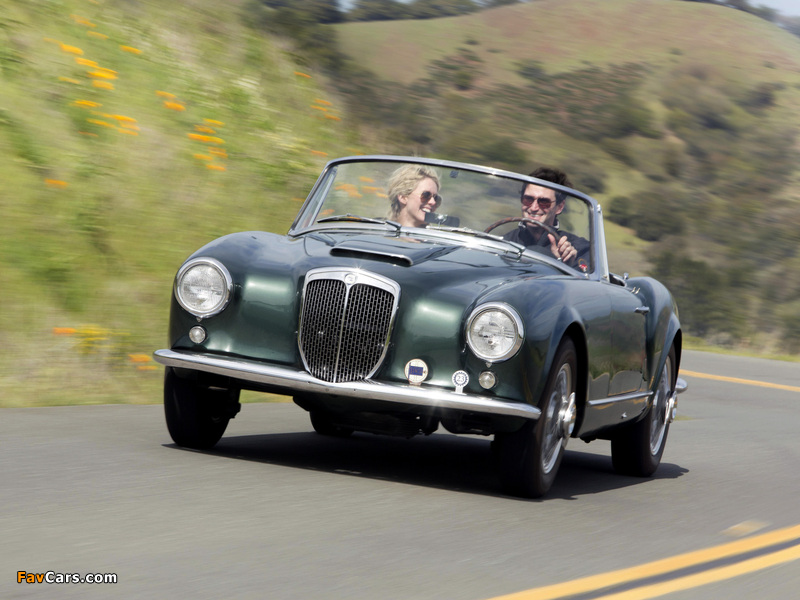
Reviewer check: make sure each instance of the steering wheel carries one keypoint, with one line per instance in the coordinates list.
(526, 221)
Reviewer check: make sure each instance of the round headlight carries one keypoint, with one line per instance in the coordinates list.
(494, 332)
(203, 287)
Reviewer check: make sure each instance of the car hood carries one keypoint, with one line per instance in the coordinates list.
(441, 281)
(465, 268)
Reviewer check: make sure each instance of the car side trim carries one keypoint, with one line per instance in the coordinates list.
(300, 381)
(620, 398)
(680, 387)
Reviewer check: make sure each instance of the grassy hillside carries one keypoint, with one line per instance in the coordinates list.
(130, 134)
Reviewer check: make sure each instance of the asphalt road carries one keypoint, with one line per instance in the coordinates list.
(276, 511)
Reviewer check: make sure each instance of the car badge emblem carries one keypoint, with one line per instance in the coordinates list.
(460, 379)
(416, 371)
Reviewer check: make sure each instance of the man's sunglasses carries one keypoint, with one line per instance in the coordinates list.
(425, 196)
(544, 203)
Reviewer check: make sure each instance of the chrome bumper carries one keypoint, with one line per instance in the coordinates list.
(302, 382)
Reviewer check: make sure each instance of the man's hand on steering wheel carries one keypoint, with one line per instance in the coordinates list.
(562, 249)
(559, 244)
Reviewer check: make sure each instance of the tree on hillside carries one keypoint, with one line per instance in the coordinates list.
(319, 11)
(496, 3)
(378, 10)
(432, 9)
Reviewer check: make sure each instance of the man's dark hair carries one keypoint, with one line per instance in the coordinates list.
(553, 176)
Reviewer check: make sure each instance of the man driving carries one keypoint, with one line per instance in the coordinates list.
(543, 205)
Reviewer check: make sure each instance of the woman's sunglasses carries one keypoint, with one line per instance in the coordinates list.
(425, 196)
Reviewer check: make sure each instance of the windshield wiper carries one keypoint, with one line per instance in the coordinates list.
(359, 219)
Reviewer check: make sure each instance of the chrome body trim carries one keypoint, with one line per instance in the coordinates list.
(680, 387)
(301, 381)
(620, 398)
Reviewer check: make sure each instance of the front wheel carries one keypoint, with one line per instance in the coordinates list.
(530, 457)
(637, 450)
(196, 415)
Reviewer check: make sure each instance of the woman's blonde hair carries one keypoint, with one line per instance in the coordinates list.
(403, 181)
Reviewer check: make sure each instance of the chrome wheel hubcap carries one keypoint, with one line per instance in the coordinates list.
(559, 419)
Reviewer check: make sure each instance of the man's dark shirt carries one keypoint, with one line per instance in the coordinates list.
(522, 235)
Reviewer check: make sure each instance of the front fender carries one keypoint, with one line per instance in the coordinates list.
(549, 310)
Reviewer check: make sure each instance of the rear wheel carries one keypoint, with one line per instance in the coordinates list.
(530, 457)
(638, 449)
(196, 415)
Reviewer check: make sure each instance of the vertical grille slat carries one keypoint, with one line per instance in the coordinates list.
(345, 323)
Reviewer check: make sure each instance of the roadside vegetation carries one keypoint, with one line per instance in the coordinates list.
(133, 132)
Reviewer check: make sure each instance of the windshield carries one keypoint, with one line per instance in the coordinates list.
(422, 197)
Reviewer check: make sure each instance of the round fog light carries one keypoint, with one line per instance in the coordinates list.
(487, 380)
(197, 334)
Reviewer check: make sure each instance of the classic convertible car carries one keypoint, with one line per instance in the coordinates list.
(396, 305)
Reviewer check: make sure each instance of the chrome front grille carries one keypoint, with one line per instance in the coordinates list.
(345, 323)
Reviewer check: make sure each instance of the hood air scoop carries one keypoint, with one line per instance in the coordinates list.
(393, 251)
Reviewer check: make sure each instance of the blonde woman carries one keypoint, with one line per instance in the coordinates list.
(413, 192)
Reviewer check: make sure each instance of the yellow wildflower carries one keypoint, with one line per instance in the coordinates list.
(102, 75)
(71, 49)
(64, 331)
(82, 21)
(86, 103)
(101, 123)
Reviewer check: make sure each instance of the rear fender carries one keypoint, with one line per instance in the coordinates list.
(663, 329)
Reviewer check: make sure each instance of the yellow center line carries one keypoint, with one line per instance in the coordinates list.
(710, 576)
(659, 567)
(776, 386)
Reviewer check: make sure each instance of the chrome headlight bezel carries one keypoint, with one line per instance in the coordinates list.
(224, 289)
(513, 319)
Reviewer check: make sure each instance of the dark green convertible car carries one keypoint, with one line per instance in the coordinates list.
(412, 294)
